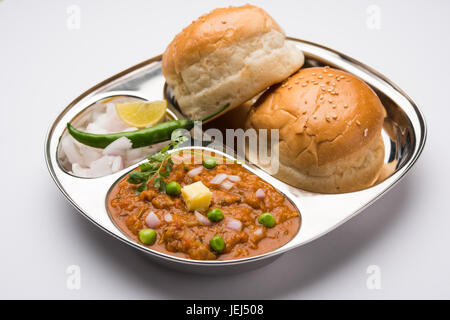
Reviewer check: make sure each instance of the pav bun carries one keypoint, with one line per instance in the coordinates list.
(329, 129)
(227, 56)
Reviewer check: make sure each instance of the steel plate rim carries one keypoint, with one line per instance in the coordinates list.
(420, 144)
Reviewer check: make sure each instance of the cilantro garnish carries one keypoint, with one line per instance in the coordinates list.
(151, 170)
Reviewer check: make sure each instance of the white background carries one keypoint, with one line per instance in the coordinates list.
(44, 65)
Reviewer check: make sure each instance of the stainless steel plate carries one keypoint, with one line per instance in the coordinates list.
(404, 134)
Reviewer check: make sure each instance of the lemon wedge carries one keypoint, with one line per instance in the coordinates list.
(141, 114)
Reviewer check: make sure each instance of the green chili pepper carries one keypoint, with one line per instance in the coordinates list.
(139, 138)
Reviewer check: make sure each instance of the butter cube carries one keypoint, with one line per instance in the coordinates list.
(196, 196)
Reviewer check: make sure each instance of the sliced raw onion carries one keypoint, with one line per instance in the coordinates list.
(233, 178)
(202, 219)
(195, 172)
(258, 232)
(218, 179)
(152, 220)
(227, 185)
(181, 158)
(260, 194)
(234, 224)
(168, 217)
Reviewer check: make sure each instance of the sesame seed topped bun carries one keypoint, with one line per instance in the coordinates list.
(227, 56)
(329, 125)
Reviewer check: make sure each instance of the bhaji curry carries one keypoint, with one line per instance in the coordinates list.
(205, 211)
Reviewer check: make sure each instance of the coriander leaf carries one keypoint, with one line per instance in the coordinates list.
(163, 150)
(158, 157)
(157, 182)
(164, 174)
(163, 186)
(136, 177)
(141, 187)
(168, 166)
(148, 166)
(178, 137)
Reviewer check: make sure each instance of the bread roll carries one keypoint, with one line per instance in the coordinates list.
(329, 129)
(227, 56)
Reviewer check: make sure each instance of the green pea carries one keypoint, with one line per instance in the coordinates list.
(173, 188)
(209, 163)
(217, 244)
(147, 236)
(215, 215)
(267, 220)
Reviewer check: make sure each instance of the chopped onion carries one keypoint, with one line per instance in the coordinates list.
(202, 219)
(258, 232)
(227, 185)
(234, 224)
(195, 172)
(234, 178)
(117, 164)
(152, 220)
(181, 158)
(118, 147)
(80, 171)
(260, 194)
(168, 217)
(218, 178)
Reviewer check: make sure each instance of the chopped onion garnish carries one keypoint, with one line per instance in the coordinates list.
(168, 217)
(152, 220)
(181, 158)
(218, 178)
(258, 232)
(260, 194)
(202, 219)
(234, 224)
(227, 185)
(234, 178)
(195, 172)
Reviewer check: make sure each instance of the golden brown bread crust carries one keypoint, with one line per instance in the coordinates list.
(324, 116)
(228, 57)
(219, 28)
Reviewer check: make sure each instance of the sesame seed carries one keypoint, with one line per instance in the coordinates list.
(304, 112)
(304, 84)
(328, 119)
(314, 117)
(313, 73)
(334, 106)
(320, 77)
(345, 106)
(296, 82)
(365, 132)
(330, 101)
(323, 89)
(358, 122)
(330, 74)
(290, 87)
(334, 116)
(306, 102)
